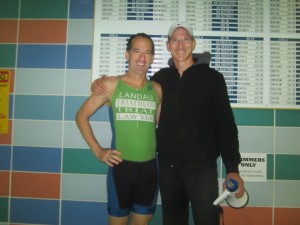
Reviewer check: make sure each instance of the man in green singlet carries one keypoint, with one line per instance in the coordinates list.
(134, 103)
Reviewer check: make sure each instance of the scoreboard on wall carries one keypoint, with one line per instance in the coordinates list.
(255, 44)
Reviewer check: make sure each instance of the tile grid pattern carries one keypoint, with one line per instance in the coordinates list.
(47, 173)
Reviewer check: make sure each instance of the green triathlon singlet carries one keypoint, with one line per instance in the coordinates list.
(132, 114)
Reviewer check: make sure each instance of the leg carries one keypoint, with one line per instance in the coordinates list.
(175, 204)
(138, 219)
(117, 220)
(202, 188)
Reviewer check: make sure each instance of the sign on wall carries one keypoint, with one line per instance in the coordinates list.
(4, 100)
(255, 44)
(253, 167)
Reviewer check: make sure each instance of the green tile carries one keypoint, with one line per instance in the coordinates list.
(270, 167)
(287, 167)
(3, 209)
(288, 118)
(254, 117)
(157, 217)
(8, 55)
(82, 161)
(9, 9)
(44, 9)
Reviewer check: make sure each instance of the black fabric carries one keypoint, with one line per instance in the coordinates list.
(181, 184)
(196, 121)
(136, 183)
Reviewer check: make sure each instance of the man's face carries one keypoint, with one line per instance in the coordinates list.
(140, 56)
(181, 45)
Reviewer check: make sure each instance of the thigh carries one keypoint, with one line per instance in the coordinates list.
(119, 190)
(202, 188)
(175, 204)
(145, 187)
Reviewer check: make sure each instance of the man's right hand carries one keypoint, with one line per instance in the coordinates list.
(98, 88)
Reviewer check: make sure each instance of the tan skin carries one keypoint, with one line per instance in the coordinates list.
(182, 57)
(139, 58)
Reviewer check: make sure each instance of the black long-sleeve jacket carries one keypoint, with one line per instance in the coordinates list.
(196, 121)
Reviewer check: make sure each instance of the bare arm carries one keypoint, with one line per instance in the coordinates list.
(98, 88)
(89, 107)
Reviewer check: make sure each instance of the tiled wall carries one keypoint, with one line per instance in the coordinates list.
(47, 173)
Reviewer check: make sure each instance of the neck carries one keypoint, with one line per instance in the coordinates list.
(183, 65)
(134, 81)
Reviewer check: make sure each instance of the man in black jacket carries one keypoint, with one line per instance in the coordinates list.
(196, 126)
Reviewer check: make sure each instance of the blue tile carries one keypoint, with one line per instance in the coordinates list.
(38, 107)
(41, 56)
(34, 211)
(37, 159)
(5, 154)
(73, 103)
(79, 57)
(11, 103)
(83, 213)
(80, 9)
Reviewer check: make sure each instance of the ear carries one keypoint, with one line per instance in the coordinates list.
(194, 44)
(126, 55)
(168, 46)
(152, 59)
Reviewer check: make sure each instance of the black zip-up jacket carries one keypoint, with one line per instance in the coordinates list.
(196, 122)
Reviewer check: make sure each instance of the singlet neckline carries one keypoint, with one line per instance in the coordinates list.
(136, 89)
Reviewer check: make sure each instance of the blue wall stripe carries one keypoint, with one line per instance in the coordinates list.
(84, 213)
(5, 154)
(37, 159)
(81, 9)
(79, 57)
(38, 107)
(11, 103)
(73, 103)
(34, 211)
(41, 56)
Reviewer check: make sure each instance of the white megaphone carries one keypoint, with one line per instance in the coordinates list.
(229, 195)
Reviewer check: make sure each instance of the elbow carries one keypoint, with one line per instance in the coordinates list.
(78, 118)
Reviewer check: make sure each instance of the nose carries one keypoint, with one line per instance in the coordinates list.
(142, 55)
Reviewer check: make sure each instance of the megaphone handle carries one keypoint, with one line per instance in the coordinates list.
(222, 197)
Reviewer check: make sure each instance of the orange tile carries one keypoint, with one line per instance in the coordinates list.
(287, 216)
(43, 31)
(35, 185)
(6, 138)
(248, 216)
(8, 31)
(4, 183)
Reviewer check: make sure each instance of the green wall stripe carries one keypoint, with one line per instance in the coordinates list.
(8, 55)
(3, 209)
(254, 117)
(9, 9)
(49, 9)
(270, 167)
(287, 167)
(288, 118)
(82, 161)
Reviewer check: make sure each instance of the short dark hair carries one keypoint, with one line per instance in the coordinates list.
(143, 35)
